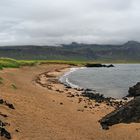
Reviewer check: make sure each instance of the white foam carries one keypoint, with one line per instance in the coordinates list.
(66, 81)
(71, 84)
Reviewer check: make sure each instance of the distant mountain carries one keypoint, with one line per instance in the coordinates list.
(129, 51)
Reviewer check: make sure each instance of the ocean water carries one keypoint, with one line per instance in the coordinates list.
(111, 82)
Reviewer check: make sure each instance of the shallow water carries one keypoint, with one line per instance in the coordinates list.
(112, 82)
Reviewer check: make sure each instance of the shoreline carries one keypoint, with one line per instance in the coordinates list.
(68, 72)
(51, 81)
(52, 111)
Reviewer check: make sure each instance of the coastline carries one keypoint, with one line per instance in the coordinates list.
(67, 82)
(51, 80)
(51, 111)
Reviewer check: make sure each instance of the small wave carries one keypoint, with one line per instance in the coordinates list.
(71, 84)
(64, 79)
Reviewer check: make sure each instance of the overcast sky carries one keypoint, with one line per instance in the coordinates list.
(64, 21)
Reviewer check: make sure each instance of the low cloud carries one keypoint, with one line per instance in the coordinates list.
(63, 21)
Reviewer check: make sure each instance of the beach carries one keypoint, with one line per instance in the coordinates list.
(46, 110)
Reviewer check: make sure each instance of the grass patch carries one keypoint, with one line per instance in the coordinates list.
(8, 63)
(14, 86)
(1, 80)
(12, 63)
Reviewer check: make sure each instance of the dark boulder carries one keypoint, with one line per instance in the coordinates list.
(134, 91)
(9, 105)
(1, 101)
(5, 133)
(126, 114)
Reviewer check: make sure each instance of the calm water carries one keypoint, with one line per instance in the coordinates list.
(112, 82)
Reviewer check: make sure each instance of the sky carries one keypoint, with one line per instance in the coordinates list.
(44, 22)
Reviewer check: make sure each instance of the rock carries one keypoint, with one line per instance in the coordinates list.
(128, 113)
(97, 105)
(9, 105)
(125, 98)
(61, 103)
(71, 95)
(88, 90)
(77, 95)
(1, 101)
(85, 106)
(80, 109)
(79, 89)
(60, 91)
(2, 124)
(4, 115)
(109, 66)
(98, 65)
(80, 100)
(67, 86)
(93, 96)
(17, 130)
(5, 133)
(134, 91)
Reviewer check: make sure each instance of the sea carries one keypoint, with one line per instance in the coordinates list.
(111, 82)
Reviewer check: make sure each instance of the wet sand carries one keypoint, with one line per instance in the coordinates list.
(45, 109)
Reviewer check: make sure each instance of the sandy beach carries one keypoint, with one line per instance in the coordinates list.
(46, 110)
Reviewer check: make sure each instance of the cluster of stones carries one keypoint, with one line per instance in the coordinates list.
(3, 131)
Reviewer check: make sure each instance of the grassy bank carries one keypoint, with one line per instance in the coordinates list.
(12, 63)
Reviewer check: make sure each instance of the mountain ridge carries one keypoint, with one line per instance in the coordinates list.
(129, 51)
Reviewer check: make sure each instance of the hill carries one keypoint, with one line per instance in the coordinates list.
(129, 51)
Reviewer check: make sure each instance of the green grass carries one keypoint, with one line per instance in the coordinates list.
(12, 63)
(14, 86)
(1, 80)
(8, 63)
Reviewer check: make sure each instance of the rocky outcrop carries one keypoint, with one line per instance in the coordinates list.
(134, 91)
(3, 131)
(128, 113)
(99, 65)
(7, 104)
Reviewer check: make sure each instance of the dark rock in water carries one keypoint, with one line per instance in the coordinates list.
(126, 114)
(79, 89)
(87, 90)
(109, 66)
(134, 91)
(98, 65)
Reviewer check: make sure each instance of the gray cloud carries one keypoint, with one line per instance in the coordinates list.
(63, 21)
